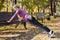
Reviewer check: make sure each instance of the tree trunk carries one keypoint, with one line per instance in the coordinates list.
(7, 5)
(51, 2)
(54, 6)
(15, 1)
(38, 8)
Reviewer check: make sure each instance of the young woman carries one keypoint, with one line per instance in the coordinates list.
(26, 17)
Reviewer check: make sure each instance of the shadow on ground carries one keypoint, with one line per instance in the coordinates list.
(57, 35)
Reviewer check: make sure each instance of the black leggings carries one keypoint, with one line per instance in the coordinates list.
(33, 21)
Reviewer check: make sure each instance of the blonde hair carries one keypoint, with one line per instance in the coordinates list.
(16, 6)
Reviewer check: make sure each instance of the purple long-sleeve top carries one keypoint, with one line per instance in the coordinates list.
(21, 13)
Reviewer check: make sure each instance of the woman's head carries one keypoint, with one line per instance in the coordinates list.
(16, 7)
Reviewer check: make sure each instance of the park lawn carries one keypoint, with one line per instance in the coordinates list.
(29, 26)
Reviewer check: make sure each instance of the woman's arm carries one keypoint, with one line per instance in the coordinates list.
(19, 18)
(13, 16)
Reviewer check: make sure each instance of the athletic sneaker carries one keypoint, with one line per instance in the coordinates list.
(51, 34)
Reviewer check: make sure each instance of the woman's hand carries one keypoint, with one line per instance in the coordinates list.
(8, 21)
